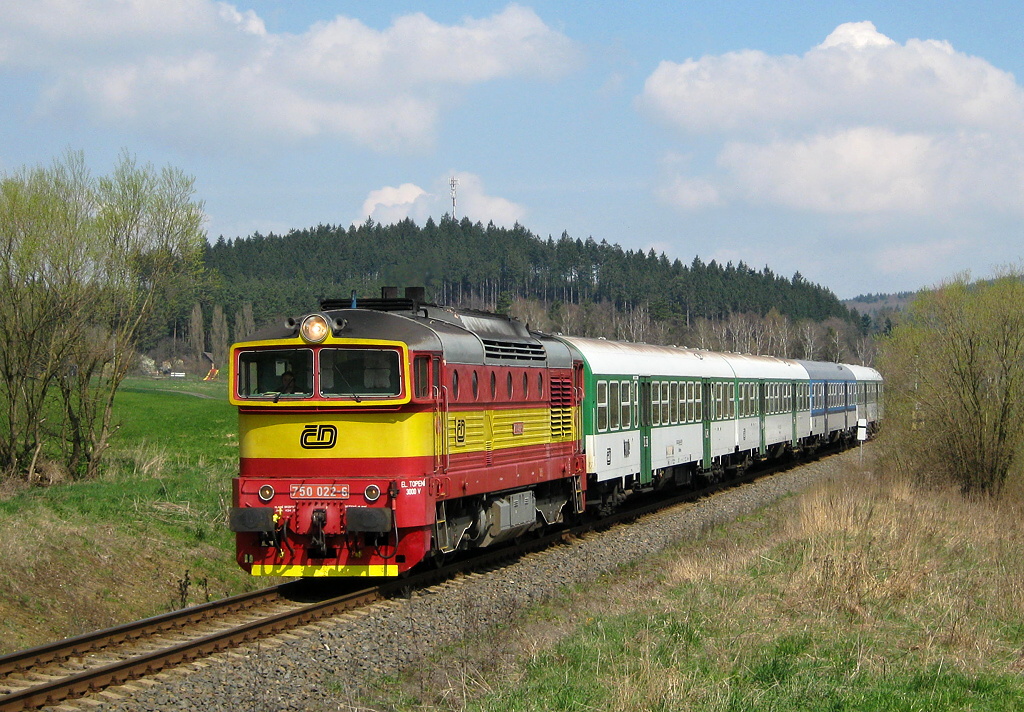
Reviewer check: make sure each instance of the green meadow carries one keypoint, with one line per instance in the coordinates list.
(150, 534)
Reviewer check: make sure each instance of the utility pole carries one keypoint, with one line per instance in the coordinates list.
(455, 185)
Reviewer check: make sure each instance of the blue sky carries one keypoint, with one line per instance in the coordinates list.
(871, 146)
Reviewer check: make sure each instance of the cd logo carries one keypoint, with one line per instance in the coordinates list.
(318, 437)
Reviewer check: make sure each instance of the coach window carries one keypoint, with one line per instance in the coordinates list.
(602, 405)
(627, 401)
(655, 403)
(674, 397)
(666, 403)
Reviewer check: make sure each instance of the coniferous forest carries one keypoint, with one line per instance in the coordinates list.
(568, 285)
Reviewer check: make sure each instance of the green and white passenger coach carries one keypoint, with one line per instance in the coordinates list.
(654, 415)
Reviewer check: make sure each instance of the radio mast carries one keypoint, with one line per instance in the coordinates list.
(455, 185)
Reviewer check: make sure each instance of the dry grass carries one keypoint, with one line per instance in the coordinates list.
(862, 589)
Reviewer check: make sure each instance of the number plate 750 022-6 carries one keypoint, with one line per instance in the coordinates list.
(319, 491)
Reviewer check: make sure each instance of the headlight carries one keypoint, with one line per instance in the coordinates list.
(266, 493)
(314, 328)
(372, 493)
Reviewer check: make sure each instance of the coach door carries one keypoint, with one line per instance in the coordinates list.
(706, 415)
(762, 401)
(645, 428)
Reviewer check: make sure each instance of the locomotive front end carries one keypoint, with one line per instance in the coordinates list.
(336, 439)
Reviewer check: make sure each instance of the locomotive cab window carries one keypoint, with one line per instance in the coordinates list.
(282, 373)
(359, 372)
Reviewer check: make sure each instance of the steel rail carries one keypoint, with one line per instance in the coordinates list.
(80, 683)
(88, 642)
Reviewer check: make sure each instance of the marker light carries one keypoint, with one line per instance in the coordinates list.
(266, 493)
(372, 493)
(314, 328)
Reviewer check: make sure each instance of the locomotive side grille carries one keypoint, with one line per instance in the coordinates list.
(561, 408)
(513, 351)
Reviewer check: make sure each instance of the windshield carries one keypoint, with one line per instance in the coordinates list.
(359, 372)
(287, 373)
(345, 373)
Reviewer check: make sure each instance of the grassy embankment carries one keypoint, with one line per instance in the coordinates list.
(863, 594)
(84, 555)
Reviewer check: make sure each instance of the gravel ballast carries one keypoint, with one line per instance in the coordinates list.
(313, 667)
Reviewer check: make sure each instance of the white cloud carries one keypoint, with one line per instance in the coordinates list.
(197, 70)
(858, 124)
(690, 194)
(389, 204)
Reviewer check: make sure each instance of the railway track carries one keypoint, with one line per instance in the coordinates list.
(70, 668)
(50, 674)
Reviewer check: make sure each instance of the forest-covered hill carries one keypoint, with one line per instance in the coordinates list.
(462, 262)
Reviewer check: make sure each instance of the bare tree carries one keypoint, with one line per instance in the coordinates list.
(808, 334)
(245, 323)
(196, 334)
(636, 323)
(219, 341)
(780, 333)
(531, 313)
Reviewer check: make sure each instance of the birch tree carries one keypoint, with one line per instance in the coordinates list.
(82, 260)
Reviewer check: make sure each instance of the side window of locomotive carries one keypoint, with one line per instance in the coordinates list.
(284, 373)
(421, 371)
(351, 373)
(602, 405)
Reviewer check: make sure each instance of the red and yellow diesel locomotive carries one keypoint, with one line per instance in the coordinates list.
(374, 435)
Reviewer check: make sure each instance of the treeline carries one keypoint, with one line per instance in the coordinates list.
(461, 262)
